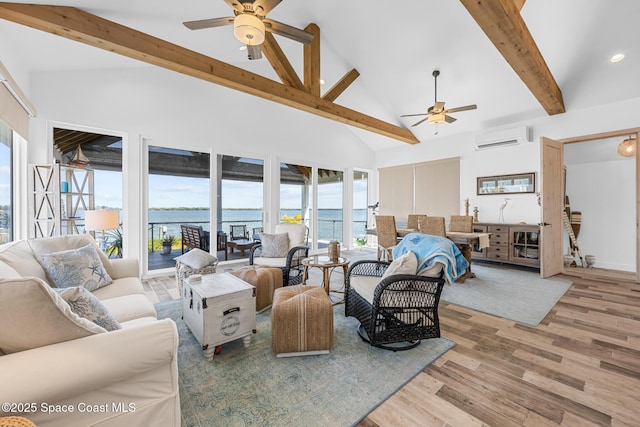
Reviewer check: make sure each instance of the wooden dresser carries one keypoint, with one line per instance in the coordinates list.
(509, 243)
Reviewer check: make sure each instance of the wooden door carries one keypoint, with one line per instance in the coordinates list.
(552, 161)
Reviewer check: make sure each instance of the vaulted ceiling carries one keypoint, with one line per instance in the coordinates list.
(515, 60)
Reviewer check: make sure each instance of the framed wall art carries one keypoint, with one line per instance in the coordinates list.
(507, 184)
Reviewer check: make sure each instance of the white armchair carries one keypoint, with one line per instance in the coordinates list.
(285, 249)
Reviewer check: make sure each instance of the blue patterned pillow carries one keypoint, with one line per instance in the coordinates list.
(76, 267)
(85, 304)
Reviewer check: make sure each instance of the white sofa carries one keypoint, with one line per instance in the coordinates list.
(122, 377)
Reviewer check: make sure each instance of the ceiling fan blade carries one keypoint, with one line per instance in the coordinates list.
(417, 123)
(254, 52)
(449, 119)
(262, 7)
(209, 23)
(288, 31)
(465, 108)
(413, 115)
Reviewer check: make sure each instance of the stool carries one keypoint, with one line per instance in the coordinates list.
(301, 321)
(265, 279)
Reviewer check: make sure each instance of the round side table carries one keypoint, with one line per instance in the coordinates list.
(326, 264)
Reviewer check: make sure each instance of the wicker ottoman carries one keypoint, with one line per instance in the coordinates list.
(265, 279)
(301, 321)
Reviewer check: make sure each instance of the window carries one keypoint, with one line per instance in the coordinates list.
(178, 184)
(6, 183)
(240, 199)
(330, 190)
(360, 203)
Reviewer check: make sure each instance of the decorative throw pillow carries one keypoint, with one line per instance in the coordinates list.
(86, 305)
(33, 315)
(405, 264)
(76, 267)
(197, 258)
(275, 245)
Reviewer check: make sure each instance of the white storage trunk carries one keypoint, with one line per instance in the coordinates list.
(219, 308)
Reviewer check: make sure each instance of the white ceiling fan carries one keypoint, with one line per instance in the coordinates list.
(437, 114)
(250, 23)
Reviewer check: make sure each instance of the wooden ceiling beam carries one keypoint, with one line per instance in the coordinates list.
(75, 24)
(341, 85)
(502, 23)
(519, 4)
(312, 61)
(280, 62)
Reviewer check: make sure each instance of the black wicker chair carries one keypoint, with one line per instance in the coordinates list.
(291, 265)
(404, 308)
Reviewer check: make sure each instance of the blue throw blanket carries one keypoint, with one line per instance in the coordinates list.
(431, 249)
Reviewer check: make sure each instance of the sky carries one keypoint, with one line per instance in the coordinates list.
(173, 192)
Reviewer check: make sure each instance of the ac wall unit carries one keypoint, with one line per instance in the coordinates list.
(503, 138)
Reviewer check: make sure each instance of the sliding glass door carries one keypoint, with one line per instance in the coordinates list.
(6, 183)
(240, 204)
(178, 193)
(330, 213)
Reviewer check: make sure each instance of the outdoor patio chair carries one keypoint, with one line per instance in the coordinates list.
(238, 232)
(395, 311)
(285, 249)
(194, 237)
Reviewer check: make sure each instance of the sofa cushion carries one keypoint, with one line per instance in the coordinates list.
(271, 262)
(85, 304)
(8, 272)
(119, 287)
(405, 264)
(33, 315)
(76, 267)
(47, 245)
(19, 256)
(197, 259)
(274, 245)
(129, 307)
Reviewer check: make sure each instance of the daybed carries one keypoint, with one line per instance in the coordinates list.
(59, 368)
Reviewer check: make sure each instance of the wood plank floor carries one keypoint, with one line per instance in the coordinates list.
(579, 367)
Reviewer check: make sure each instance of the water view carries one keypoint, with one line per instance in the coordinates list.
(329, 220)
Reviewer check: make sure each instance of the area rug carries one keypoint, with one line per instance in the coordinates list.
(513, 294)
(252, 387)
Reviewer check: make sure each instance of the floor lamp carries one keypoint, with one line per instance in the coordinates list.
(101, 220)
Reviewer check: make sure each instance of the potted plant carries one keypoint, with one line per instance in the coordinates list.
(167, 243)
(115, 243)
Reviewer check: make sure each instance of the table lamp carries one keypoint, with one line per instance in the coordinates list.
(101, 220)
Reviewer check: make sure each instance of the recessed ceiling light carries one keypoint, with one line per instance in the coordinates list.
(243, 47)
(617, 57)
(321, 81)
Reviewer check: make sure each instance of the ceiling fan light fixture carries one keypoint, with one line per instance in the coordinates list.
(435, 119)
(627, 148)
(249, 29)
